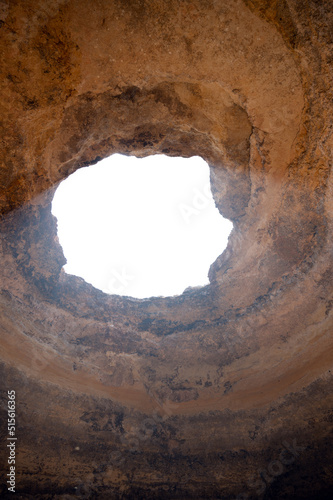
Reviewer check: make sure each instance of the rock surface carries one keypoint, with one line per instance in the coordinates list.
(223, 391)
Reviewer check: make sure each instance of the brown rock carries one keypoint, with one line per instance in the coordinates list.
(225, 390)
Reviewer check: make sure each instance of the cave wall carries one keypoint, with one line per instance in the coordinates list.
(223, 391)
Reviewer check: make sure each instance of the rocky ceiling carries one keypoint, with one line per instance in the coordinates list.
(225, 391)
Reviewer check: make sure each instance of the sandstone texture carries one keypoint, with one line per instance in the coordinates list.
(224, 391)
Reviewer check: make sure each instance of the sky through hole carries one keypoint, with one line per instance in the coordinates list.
(140, 227)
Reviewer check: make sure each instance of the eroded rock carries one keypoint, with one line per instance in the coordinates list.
(195, 396)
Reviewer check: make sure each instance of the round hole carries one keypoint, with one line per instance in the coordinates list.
(140, 227)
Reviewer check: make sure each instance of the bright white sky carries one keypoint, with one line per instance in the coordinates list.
(140, 227)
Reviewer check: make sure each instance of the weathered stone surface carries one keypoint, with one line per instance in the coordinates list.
(194, 396)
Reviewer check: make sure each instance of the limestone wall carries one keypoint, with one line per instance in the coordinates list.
(183, 397)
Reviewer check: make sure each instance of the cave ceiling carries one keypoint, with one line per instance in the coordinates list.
(224, 391)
